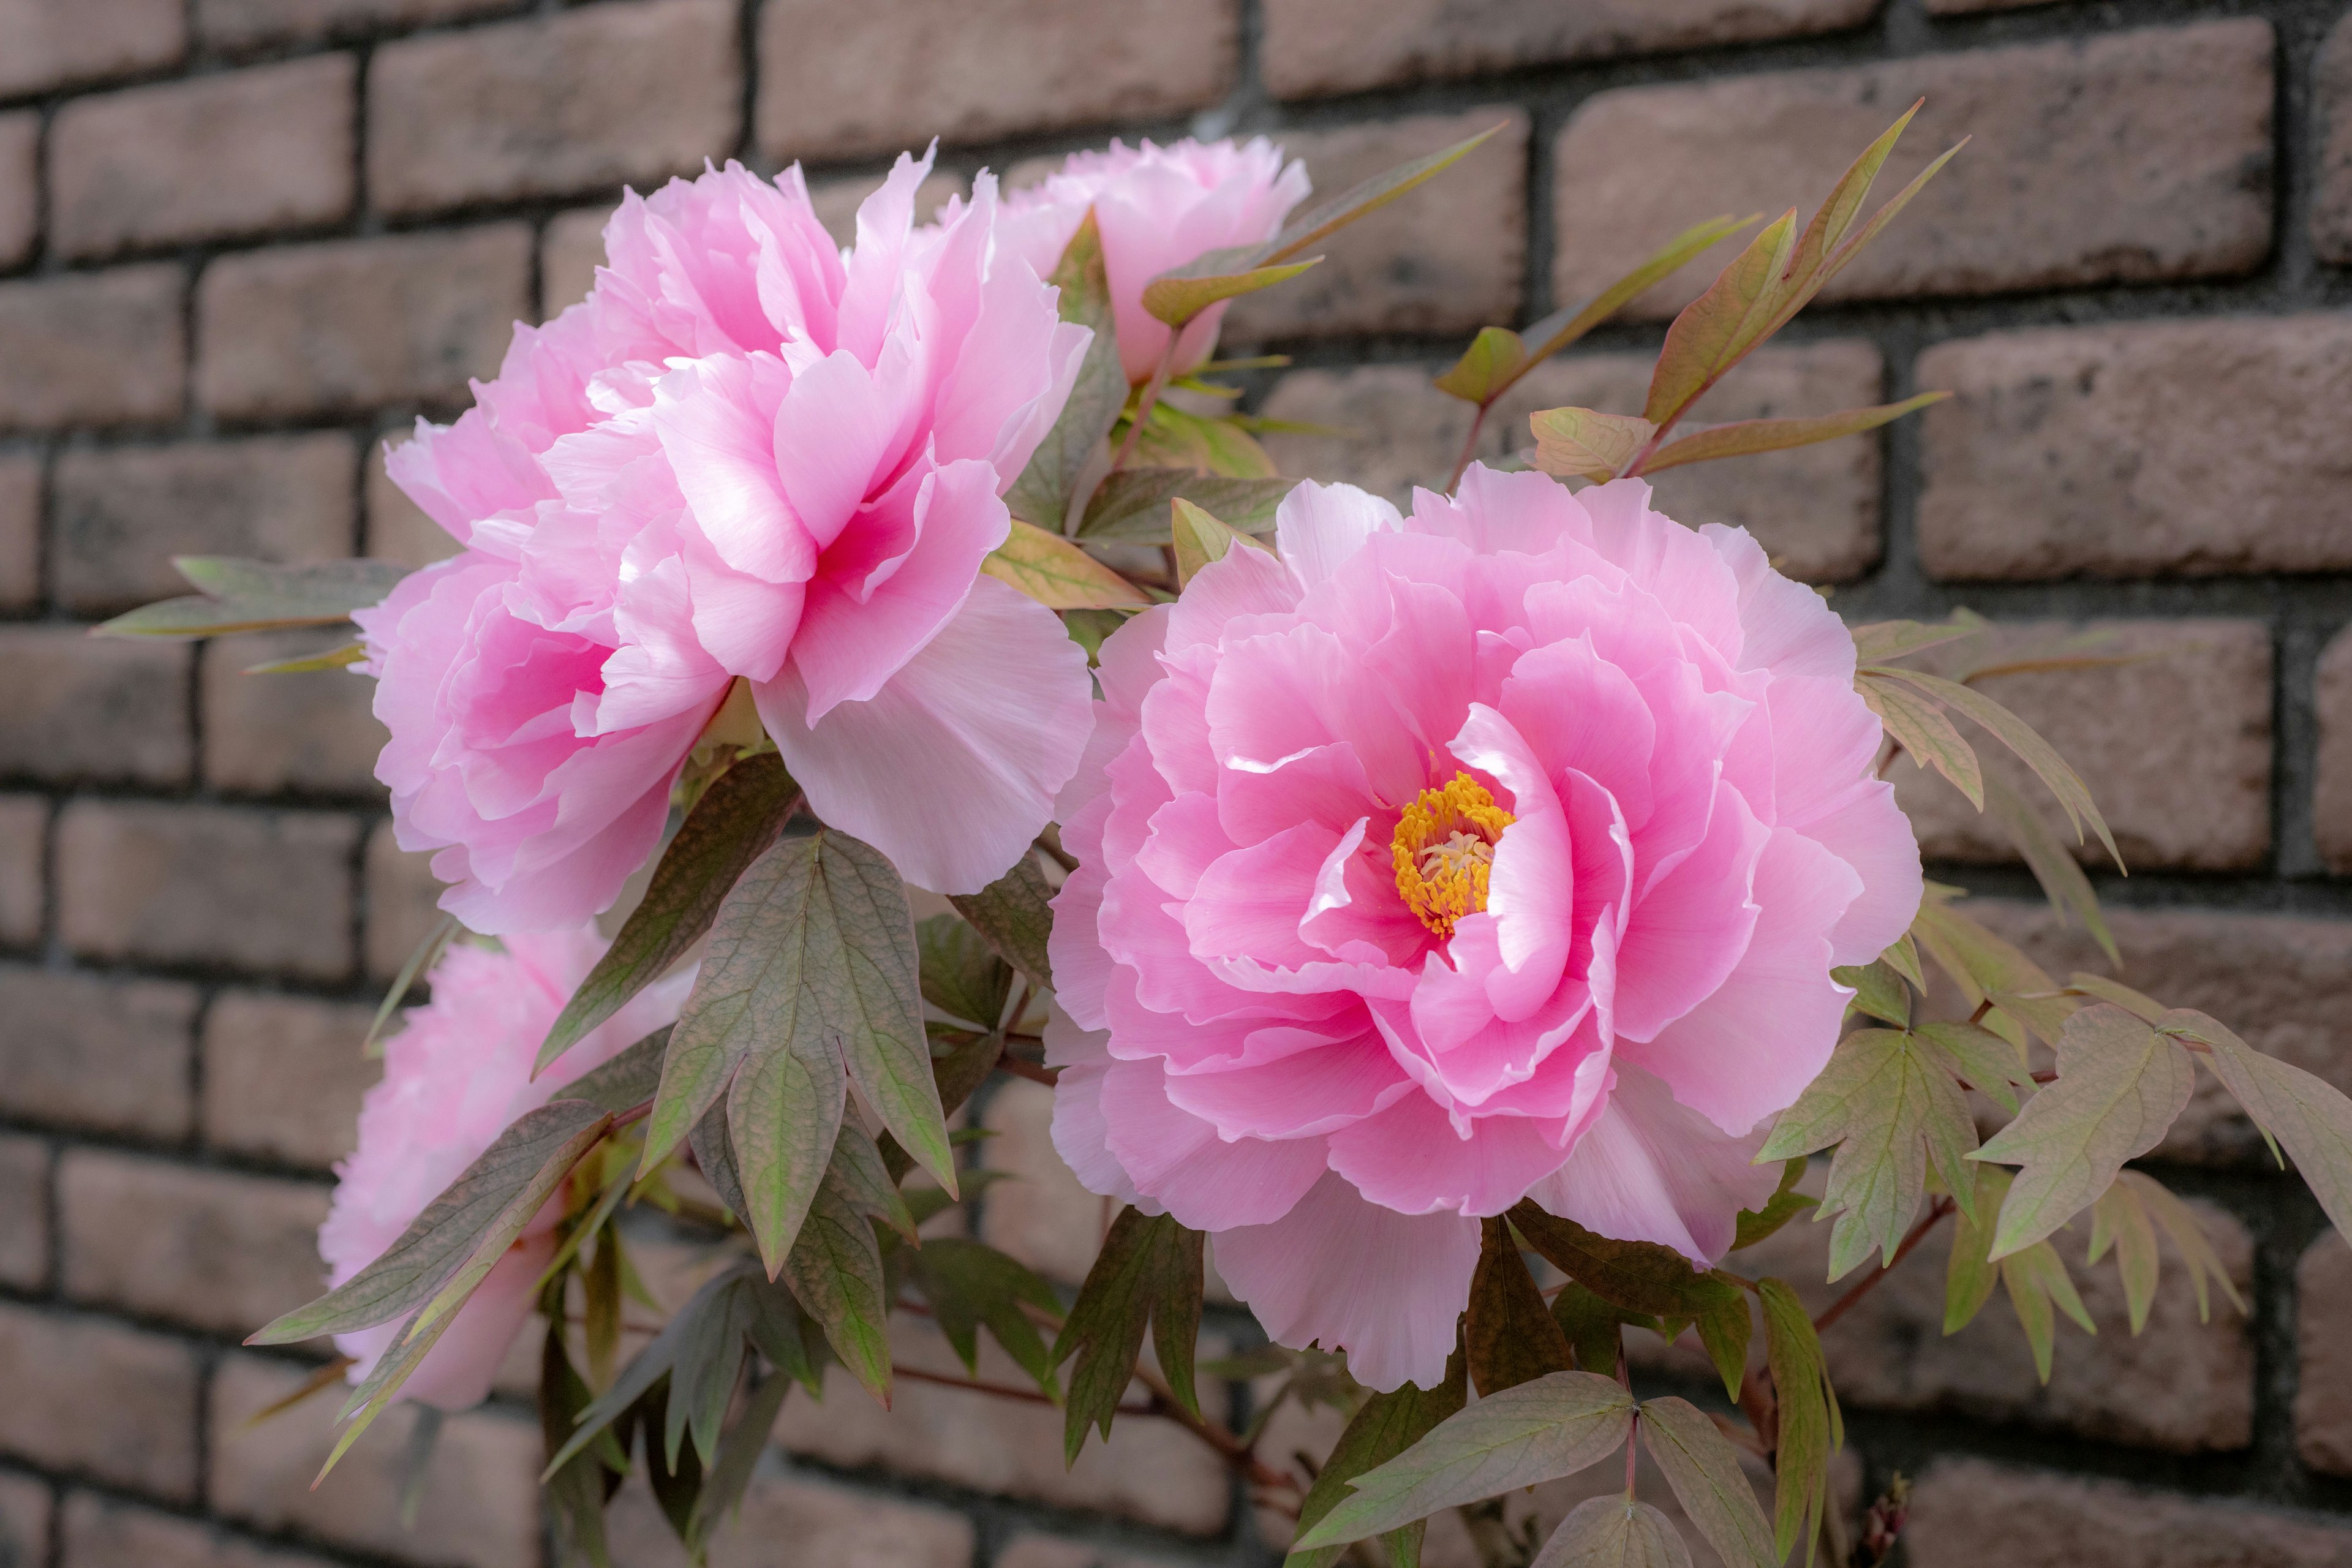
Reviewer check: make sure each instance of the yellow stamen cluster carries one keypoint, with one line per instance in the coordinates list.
(1444, 850)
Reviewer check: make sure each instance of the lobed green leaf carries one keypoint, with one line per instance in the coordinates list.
(1149, 1270)
(2310, 1118)
(1583, 443)
(1920, 728)
(1178, 296)
(1810, 1427)
(1639, 1276)
(969, 1284)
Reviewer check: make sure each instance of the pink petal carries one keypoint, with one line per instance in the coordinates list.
(1301, 1095)
(1532, 886)
(1409, 1157)
(829, 437)
(1250, 901)
(716, 418)
(1869, 832)
(1788, 630)
(1318, 527)
(1179, 1159)
(1687, 932)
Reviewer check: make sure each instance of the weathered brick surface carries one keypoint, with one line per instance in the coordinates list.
(233, 24)
(1445, 257)
(24, 1214)
(1150, 1470)
(94, 348)
(310, 733)
(1966, 1511)
(283, 1077)
(348, 325)
(567, 102)
(255, 889)
(1328, 45)
(215, 1250)
(25, 1505)
(20, 530)
(122, 512)
(481, 1499)
(1041, 1215)
(397, 528)
(2129, 156)
(570, 249)
(1815, 509)
(2155, 449)
(86, 1052)
(102, 1532)
(58, 43)
(81, 707)
(20, 190)
(2331, 210)
(837, 82)
(2322, 1394)
(99, 1398)
(1051, 1552)
(823, 1523)
(237, 153)
(24, 880)
(403, 902)
(2331, 804)
(2176, 749)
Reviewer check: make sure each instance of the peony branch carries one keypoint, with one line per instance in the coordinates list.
(1868, 1282)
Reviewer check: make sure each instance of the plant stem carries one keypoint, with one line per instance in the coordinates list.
(1469, 449)
(1235, 1452)
(1868, 1282)
(1035, 1072)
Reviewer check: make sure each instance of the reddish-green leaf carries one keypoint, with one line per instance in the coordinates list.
(257, 595)
(1057, 574)
(1613, 1531)
(1385, 1427)
(1014, 914)
(1176, 299)
(1508, 1333)
(1149, 1269)
(1201, 538)
(1581, 442)
(1747, 437)
(1883, 640)
(1920, 728)
(1703, 1468)
(2310, 1118)
(1132, 504)
(1367, 196)
(1716, 329)
(1810, 1427)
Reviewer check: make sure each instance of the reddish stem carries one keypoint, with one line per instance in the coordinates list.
(1868, 1282)
(1035, 1072)
(1469, 449)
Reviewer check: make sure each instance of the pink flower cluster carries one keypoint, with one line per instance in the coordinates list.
(1500, 850)
(453, 1078)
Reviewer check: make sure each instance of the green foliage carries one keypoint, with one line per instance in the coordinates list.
(1920, 728)
(1703, 1468)
(1747, 437)
(2127, 1217)
(1811, 1427)
(255, 595)
(1131, 506)
(1509, 1333)
(1201, 538)
(2036, 1280)
(343, 658)
(1014, 915)
(575, 1489)
(1583, 443)
(2035, 1277)
(1978, 1059)
(1176, 298)
(1042, 494)
(2310, 1118)
(1149, 1269)
(960, 973)
(834, 1270)
(1878, 992)
(1785, 1204)
(1385, 1428)
(1613, 1531)
(420, 960)
(969, 1284)
(1057, 574)
(1594, 1328)
(2061, 878)
(1206, 444)
(1880, 641)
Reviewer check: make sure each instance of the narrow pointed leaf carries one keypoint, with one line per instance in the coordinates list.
(2189, 1238)
(1487, 368)
(1878, 992)
(1920, 728)
(1834, 221)
(256, 595)
(1785, 1204)
(420, 962)
(702, 1379)
(1703, 1468)
(1132, 504)
(649, 1366)
(1747, 437)
(1057, 574)
(1016, 914)
(1201, 538)
(2036, 1280)
(1042, 494)
(1809, 1420)
(1613, 1531)
(1509, 1334)
(2139, 1005)
(734, 823)
(970, 1284)
(1978, 1057)
(2121, 1221)
(2061, 878)
(960, 973)
(1852, 247)
(1969, 1274)
(1148, 1271)
(1582, 443)
(2309, 1117)
(1883, 640)
(1175, 298)
(858, 1173)
(576, 1490)
(1595, 1327)
(1385, 1427)
(1209, 444)
(1369, 197)
(626, 1082)
(835, 1269)
(2019, 737)
(1708, 338)
(341, 658)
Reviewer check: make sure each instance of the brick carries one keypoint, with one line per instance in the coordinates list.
(2176, 749)
(25, 1505)
(2331, 793)
(258, 890)
(1153, 1471)
(839, 82)
(23, 1217)
(397, 528)
(20, 186)
(20, 530)
(1446, 258)
(823, 1524)
(1041, 1215)
(1970, 7)
(57, 43)
(122, 512)
(313, 732)
(349, 325)
(1815, 509)
(24, 880)
(2331, 207)
(83, 1051)
(1032, 1551)
(93, 348)
(481, 1486)
(215, 1250)
(1965, 1512)
(210, 158)
(236, 24)
(2126, 157)
(2068, 451)
(545, 107)
(1314, 47)
(99, 1398)
(569, 250)
(2322, 1394)
(77, 706)
(403, 902)
(284, 1075)
(102, 1532)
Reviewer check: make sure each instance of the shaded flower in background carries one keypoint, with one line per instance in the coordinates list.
(1500, 850)
(453, 1078)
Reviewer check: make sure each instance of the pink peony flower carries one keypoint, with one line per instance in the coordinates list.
(452, 1079)
(1157, 207)
(1498, 851)
(746, 454)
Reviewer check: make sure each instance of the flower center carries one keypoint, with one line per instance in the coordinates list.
(1444, 849)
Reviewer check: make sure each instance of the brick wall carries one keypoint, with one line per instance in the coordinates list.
(241, 240)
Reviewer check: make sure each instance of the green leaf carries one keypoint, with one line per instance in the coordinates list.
(1593, 1326)
(1639, 1276)
(1495, 359)
(1536, 1432)
(1703, 1468)
(1978, 1057)
(1201, 538)
(1509, 1332)
(478, 1215)
(858, 1173)
(1176, 297)
(709, 1363)
(1042, 494)
(2063, 881)
(1386, 1426)
(2310, 1118)
(1903, 957)
(968, 1284)
(1613, 1531)
(1747, 437)
(1810, 1424)
(256, 595)
(1883, 640)
(1713, 331)
(1980, 964)
(961, 975)
(2036, 1280)
(1889, 1107)
(1582, 443)
(1210, 444)
(420, 960)
(1835, 218)
(2119, 1220)
(1879, 992)
(1724, 1331)
(1149, 1269)
(2120, 1085)
(341, 658)
(649, 1366)
(834, 1270)
(1016, 914)
(1057, 574)
(740, 1447)
(2139, 1005)
(2179, 1221)
(1132, 504)
(1920, 728)
(1368, 196)
(734, 823)
(1785, 1204)
(1970, 1274)
(677, 1488)
(576, 1491)
(794, 1343)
